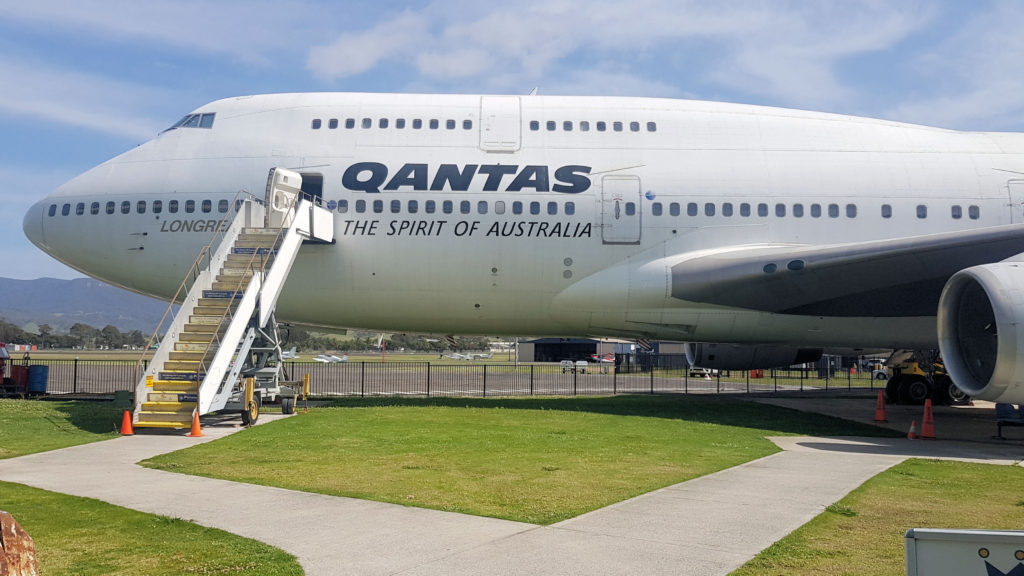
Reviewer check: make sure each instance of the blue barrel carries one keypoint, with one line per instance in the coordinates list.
(37, 377)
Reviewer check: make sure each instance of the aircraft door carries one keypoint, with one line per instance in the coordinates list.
(500, 126)
(1016, 190)
(620, 210)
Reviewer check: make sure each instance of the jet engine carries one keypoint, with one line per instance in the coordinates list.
(747, 356)
(981, 331)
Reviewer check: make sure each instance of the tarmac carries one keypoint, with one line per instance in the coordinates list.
(707, 526)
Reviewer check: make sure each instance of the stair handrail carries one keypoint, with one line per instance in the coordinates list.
(194, 271)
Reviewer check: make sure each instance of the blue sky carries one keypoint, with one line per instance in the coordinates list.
(82, 81)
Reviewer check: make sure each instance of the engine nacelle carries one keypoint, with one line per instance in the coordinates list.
(748, 356)
(981, 331)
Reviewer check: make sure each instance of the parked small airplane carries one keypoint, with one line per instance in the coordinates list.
(330, 358)
(608, 358)
(478, 356)
(289, 354)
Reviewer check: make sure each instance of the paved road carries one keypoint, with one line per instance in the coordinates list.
(709, 525)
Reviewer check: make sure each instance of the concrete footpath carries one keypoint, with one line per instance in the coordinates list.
(710, 525)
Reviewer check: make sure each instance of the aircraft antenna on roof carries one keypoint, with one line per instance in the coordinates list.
(533, 92)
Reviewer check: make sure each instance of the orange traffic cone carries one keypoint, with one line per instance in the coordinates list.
(912, 435)
(196, 431)
(928, 424)
(880, 408)
(126, 425)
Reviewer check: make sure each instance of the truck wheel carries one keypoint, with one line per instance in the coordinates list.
(916, 390)
(287, 405)
(252, 411)
(894, 390)
(947, 393)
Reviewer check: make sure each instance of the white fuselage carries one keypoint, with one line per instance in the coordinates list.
(553, 229)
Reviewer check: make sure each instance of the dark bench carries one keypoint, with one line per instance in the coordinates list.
(1006, 415)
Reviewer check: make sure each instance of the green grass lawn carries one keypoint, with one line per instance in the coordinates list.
(863, 533)
(84, 537)
(538, 460)
(28, 426)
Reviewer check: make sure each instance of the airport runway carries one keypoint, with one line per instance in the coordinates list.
(707, 526)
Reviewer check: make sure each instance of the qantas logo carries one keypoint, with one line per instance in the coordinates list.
(374, 177)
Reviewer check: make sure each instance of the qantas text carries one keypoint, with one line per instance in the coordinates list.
(374, 177)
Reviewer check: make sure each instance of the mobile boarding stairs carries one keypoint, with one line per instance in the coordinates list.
(221, 351)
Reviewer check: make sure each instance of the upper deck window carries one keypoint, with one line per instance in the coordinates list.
(194, 121)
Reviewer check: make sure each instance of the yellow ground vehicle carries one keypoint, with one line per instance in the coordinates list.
(917, 375)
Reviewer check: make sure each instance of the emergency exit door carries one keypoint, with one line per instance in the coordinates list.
(620, 210)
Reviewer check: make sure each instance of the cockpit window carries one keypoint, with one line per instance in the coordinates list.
(194, 121)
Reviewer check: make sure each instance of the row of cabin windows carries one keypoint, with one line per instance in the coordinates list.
(797, 210)
(400, 123)
(584, 126)
(449, 207)
(157, 206)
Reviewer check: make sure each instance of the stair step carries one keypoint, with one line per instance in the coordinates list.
(182, 366)
(148, 416)
(204, 320)
(207, 329)
(236, 270)
(176, 376)
(189, 355)
(159, 424)
(225, 292)
(229, 285)
(168, 406)
(186, 346)
(211, 310)
(262, 231)
(219, 303)
(252, 250)
(203, 338)
(236, 281)
(267, 244)
(173, 397)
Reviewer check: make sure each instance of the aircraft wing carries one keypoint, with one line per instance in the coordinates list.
(886, 278)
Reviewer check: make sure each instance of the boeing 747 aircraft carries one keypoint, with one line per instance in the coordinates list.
(777, 232)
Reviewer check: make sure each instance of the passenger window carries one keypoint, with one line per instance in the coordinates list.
(601, 126)
(429, 206)
(207, 206)
(922, 211)
(400, 123)
(446, 207)
(126, 207)
(172, 206)
(780, 210)
(413, 206)
(815, 210)
(634, 126)
(567, 126)
(417, 124)
(481, 207)
(798, 210)
(630, 209)
(465, 207)
(158, 206)
(499, 207)
(66, 209)
(80, 208)
(887, 211)
(691, 209)
(434, 124)
(315, 124)
(617, 126)
(382, 123)
(343, 206)
(584, 126)
(833, 210)
(467, 124)
(332, 123)
(449, 124)
(709, 209)
(762, 210)
(396, 206)
(673, 209)
(360, 206)
(570, 208)
(367, 123)
(350, 123)
(534, 125)
(973, 212)
(550, 125)
(94, 208)
(534, 208)
(656, 209)
(745, 210)
(851, 210)
(140, 207)
(190, 206)
(222, 206)
(552, 208)
(53, 210)
(652, 127)
(727, 209)
(517, 207)
(378, 206)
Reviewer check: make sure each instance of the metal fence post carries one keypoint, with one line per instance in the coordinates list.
(775, 379)
(718, 382)
(801, 380)
(428, 378)
(74, 377)
(362, 379)
(531, 379)
(615, 379)
(747, 372)
(574, 371)
(485, 380)
(652, 375)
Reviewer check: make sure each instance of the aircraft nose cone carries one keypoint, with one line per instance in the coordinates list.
(33, 224)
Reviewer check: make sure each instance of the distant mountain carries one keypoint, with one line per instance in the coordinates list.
(62, 303)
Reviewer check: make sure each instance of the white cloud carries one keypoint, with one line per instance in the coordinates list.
(108, 106)
(353, 54)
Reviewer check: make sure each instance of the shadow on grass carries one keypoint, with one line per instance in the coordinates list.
(722, 411)
(93, 416)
